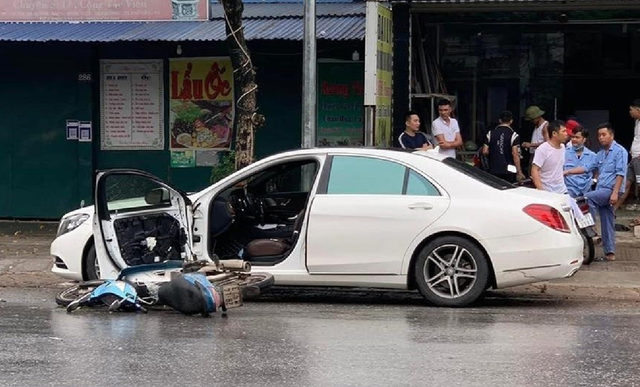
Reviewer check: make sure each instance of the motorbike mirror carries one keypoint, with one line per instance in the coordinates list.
(157, 196)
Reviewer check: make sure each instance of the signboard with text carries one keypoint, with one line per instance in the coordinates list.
(96, 10)
(378, 73)
(384, 75)
(340, 103)
(132, 105)
(201, 104)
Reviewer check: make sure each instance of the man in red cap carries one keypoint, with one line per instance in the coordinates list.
(571, 125)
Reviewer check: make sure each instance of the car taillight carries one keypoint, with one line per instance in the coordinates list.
(548, 216)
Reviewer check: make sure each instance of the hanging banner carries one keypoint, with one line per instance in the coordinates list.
(340, 101)
(384, 75)
(202, 103)
(132, 105)
(99, 10)
(378, 73)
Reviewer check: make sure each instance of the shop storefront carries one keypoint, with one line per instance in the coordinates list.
(573, 59)
(151, 90)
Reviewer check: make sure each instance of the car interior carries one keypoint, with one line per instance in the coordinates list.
(259, 219)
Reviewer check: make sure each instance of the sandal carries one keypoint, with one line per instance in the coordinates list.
(606, 258)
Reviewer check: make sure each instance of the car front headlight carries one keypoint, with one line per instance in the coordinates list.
(71, 223)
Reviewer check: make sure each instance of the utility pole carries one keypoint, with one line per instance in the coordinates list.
(309, 76)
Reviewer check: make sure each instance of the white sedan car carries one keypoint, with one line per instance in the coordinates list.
(334, 217)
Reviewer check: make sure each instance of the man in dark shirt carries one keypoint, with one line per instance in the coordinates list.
(502, 147)
(412, 137)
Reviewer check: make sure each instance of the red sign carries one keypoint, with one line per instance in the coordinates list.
(97, 10)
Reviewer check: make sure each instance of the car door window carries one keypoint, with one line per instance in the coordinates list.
(132, 192)
(419, 186)
(297, 177)
(365, 175)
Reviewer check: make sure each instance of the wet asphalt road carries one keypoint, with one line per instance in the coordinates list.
(353, 339)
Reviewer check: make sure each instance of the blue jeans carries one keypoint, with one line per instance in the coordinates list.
(599, 202)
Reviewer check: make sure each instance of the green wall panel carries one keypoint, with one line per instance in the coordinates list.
(39, 93)
(43, 175)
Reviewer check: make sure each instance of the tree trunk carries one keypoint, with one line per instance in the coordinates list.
(247, 119)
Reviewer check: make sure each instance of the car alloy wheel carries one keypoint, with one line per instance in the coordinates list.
(451, 271)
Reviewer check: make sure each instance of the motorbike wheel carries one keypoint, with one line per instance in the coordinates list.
(589, 250)
(67, 296)
(256, 284)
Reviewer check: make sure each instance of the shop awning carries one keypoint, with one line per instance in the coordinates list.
(565, 5)
(261, 22)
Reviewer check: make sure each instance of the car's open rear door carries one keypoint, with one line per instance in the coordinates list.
(138, 219)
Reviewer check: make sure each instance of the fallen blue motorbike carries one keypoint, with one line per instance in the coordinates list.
(118, 295)
(193, 288)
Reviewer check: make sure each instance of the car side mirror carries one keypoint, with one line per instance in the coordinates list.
(158, 196)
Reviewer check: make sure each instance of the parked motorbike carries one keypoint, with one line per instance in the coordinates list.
(584, 220)
(188, 287)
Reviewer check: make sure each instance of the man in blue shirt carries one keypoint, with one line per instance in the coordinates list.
(412, 137)
(579, 164)
(612, 171)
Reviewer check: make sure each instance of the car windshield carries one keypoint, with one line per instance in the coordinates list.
(478, 174)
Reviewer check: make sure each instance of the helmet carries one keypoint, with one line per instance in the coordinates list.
(191, 293)
(532, 113)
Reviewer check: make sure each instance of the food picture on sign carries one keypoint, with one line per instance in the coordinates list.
(201, 124)
(202, 110)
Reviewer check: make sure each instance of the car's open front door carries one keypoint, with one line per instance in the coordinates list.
(138, 219)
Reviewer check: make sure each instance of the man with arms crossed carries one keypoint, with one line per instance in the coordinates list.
(412, 137)
(579, 165)
(446, 130)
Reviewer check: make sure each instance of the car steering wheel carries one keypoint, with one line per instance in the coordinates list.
(253, 205)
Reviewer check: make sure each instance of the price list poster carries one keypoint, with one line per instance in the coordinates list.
(131, 105)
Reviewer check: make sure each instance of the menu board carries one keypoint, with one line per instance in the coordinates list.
(132, 106)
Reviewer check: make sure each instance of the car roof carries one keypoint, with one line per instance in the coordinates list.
(369, 151)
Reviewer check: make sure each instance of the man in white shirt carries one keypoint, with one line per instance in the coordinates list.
(446, 130)
(633, 170)
(548, 161)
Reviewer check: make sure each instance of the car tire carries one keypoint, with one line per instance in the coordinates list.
(91, 264)
(451, 271)
(589, 250)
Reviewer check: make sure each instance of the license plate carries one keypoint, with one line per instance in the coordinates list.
(232, 295)
(586, 220)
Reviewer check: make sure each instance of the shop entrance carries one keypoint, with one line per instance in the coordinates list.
(580, 67)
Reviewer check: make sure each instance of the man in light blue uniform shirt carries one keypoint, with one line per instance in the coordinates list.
(579, 165)
(612, 171)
